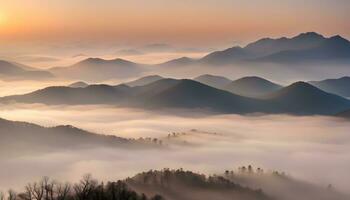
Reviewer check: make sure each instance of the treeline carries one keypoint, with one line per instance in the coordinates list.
(87, 189)
(169, 179)
(250, 170)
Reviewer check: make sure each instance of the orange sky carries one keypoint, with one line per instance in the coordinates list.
(197, 22)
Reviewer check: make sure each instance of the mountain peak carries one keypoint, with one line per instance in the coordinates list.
(309, 35)
(301, 84)
(252, 86)
(339, 39)
(78, 84)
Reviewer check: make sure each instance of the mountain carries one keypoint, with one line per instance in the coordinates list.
(97, 69)
(299, 98)
(268, 46)
(79, 84)
(92, 94)
(252, 87)
(183, 61)
(226, 56)
(303, 98)
(12, 70)
(165, 93)
(331, 49)
(305, 47)
(213, 81)
(194, 95)
(22, 137)
(187, 185)
(338, 86)
(144, 80)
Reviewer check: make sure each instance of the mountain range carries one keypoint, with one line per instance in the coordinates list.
(12, 70)
(304, 48)
(299, 98)
(97, 69)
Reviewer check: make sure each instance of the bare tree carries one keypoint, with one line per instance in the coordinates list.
(48, 188)
(84, 189)
(63, 191)
(35, 191)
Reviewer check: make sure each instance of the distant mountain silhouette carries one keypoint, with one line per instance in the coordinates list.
(303, 98)
(302, 48)
(299, 98)
(213, 81)
(183, 61)
(252, 87)
(226, 56)
(12, 70)
(23, 137)
(92, 94)
(144, 80)
(79, 84)
(338, 86)
(270, 46)
(334, 48)
(97, 69)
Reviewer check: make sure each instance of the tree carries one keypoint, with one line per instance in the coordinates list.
(84, 189)
(62, 191)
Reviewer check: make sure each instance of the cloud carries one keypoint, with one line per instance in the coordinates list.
(315, 148)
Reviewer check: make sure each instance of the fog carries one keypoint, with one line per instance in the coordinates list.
(316, 149)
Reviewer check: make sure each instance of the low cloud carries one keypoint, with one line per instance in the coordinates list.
(316, 149)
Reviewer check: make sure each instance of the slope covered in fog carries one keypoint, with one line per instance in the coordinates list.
(213, 81)
(187, 185)
(20, 138)
(144, 80)
(280, 185)
(11, 70)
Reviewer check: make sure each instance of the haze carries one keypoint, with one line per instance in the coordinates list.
(37, 27)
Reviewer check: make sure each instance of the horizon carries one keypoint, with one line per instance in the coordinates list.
(147, 57)
(174, 99)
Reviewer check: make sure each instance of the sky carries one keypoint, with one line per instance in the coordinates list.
(182, 22)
